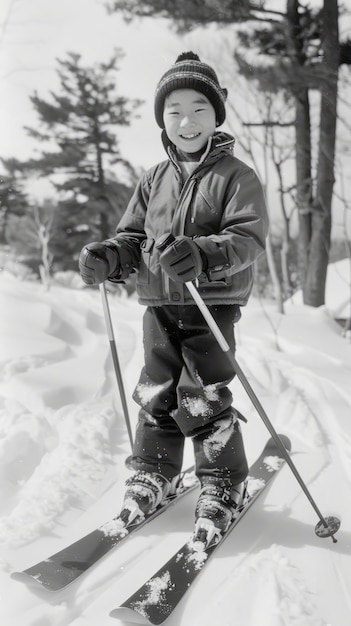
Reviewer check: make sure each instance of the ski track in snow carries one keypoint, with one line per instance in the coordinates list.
(62, 450)
(56, 457)
(280, 595)
(304, 403)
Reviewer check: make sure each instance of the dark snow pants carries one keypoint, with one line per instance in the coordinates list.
(183, 392)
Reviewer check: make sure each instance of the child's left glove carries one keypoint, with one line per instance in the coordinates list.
(182, 260)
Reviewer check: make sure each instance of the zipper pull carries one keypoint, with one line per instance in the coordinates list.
(193, 207)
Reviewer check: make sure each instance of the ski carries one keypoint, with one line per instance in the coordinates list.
(61, 569)
(157, 598)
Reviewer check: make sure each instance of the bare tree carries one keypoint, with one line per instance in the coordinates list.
(43, 224)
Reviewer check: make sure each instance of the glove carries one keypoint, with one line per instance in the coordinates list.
(182, 260)
(98, 261)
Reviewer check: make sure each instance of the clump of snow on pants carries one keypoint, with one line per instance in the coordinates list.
(197, 406)
(218, 439)
(147, 392)
(210, 391)
(201, 404)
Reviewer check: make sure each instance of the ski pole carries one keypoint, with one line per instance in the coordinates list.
(327, 526)
(111, 336)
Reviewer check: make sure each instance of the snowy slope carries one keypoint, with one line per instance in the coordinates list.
(63, 444)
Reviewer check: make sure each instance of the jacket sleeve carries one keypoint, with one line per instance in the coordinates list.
(130, 231)
(243, 230)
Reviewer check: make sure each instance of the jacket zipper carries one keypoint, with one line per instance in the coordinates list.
(188, 188)
(190, 184)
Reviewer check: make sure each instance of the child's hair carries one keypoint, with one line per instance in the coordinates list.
(188, 72)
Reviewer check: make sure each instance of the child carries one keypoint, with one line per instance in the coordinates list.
(198, 216)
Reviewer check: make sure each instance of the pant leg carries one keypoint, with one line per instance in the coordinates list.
(219, 450)
(204, 400)
(159, 443)
(158, 446)
(202, 390)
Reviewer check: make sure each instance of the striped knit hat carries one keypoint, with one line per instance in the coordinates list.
(189, 72)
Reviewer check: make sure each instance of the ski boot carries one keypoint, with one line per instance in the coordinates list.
(218, 505)
(145, 492)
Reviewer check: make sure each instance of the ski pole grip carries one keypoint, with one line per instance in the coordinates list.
(161, 244)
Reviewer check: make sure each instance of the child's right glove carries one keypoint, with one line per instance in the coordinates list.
(182, 260)
(98, 262)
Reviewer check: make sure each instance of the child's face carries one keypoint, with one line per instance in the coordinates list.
(189, 119)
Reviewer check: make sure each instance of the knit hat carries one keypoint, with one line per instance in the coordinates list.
(188, 72)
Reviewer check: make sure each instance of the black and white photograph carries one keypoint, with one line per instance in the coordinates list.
(175, 312)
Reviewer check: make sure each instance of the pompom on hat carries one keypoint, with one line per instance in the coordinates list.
(188, 72)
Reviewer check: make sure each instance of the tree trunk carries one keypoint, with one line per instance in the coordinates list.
(100, 185)
(302, 138)
(303, 178)
(315, 280)
(274, 276)
(315, 208)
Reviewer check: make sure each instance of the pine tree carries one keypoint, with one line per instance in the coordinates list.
(79, 153)
(13, 201)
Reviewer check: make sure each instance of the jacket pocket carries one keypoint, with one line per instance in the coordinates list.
(144, 268)
(224, 282)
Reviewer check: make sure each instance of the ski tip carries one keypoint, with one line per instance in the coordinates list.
(128, 615)
(20, 577)
(286, 441)
(271, 443)
(29, 580)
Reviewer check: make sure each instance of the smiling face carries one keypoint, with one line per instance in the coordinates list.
(189, 119)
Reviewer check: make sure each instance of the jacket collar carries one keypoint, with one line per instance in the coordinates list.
(220, 143)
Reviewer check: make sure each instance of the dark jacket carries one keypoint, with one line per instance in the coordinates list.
(221, 205)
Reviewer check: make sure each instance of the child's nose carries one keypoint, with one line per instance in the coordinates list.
(186, 119)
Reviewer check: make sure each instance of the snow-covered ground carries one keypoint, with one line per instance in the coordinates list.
(63, 443)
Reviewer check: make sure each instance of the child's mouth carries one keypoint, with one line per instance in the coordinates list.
(190, 136)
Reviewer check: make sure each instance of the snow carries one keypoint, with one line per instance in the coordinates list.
(63, 443)
(273, 462)
(155, 593)
(147, 392)
(214, 444)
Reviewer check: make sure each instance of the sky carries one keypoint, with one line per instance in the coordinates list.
(37, 32)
